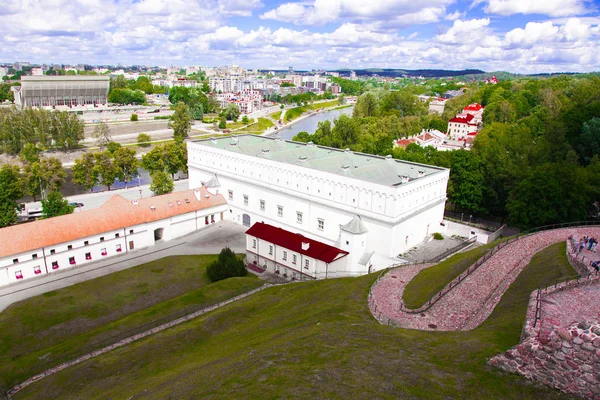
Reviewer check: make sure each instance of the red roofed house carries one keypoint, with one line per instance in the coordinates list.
(461, 125)
(476, 110)
(297, 257)
(119, 226)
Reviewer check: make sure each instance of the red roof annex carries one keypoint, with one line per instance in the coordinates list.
(463, 120)
(473, 107)
(293, 242)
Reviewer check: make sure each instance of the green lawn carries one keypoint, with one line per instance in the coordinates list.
(294, 113)
(258, 127)
(276, 115)
(325, 104)
(46, 330)
(431, 280)
(313, 340)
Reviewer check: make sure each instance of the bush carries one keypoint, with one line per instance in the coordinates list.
(227, 266)
(245, 119)
(223, 123)
(438, 236)
(143, 140)
(134, 117)
(112, 147)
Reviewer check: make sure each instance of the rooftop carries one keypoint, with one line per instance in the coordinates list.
(366, 167)
(51, 78)
(296, 242)
(116, 213)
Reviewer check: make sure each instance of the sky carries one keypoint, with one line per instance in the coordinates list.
(521, 36)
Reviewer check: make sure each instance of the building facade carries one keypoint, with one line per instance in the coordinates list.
(119, 226)
(294, 256)
(71, 91)
(315, 191)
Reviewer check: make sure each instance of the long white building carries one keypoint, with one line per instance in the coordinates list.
(119, 226)
(321, 192)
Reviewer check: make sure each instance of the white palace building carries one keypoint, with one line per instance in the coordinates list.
(371, 207)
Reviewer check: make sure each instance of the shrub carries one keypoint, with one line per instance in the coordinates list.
(226, 266)
(112, 147)
(223, 123)
(438, 236)
(134, 117)
(245, 119)
(143, 140)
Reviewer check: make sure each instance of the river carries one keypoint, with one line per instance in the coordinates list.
(311, 123)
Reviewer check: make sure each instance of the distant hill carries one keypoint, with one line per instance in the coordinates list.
(426, 73)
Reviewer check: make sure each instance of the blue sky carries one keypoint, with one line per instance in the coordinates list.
(523, 36)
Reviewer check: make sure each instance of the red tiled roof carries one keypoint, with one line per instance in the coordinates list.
(116, 213)
(405, 142)
(463, 120)
(473, 107)
(472, 133)
(293, 242)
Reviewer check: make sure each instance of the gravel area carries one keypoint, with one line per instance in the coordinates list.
(472, 301)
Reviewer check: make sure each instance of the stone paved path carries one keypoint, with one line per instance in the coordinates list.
(472, 301)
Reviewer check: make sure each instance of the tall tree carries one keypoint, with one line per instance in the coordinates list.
(105, 168)
(181, 122)
(11, 189)
(54, 205)
(126, 164)
(102, 135)
(44, 176)
(85, 172)
(161, 183)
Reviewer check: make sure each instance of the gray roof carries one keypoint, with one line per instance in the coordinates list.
(54, 78)
(355, 226)
(213, 182)
(371, 168)
(365, 258)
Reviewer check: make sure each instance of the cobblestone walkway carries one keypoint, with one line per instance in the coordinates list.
(467, 305)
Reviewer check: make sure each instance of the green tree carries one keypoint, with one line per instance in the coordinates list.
(105, 168)
(143, 140)
(118, 82)
(245, 120)
(85, 172)
(367, 105)
(231, 112)
(181, 122)
(168, 157)
(126, 164)
(466, 181)
(30, 153)
(111, 147)
(161, 183)
(11, 189)
(228, 265)
(223, 122)
(43, 176)
(54, 205)
(102, 135)
(205, 87)
(588, 142)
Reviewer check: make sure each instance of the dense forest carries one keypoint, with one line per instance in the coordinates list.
(534, 163)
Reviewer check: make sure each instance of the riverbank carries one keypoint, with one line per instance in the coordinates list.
(303, 117)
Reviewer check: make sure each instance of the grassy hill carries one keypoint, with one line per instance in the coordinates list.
(55, 327)
(314, 340)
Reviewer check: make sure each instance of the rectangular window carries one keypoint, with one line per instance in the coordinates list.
(294, 259)
(72, 260)
(230, 194)
(70, 247)
(86, 243)
(52, 251)
(34, 256)
(54, 264)
(88, 256)
(118, 248)
(131, 231)
(280, 211)
(15, 260)
(102, 238)
(306, 264)
(103, 252)
(270, 250)
(284, 255)
(321, 224)
(262, 205)
(117, 235)
(37, 270)
(299, 217)
(18, 275)
(253, 243)
(245, 199)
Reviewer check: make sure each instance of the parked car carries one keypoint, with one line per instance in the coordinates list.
(75, 204)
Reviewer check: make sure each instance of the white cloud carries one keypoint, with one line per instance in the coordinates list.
(554, 8)
(241, 8)
(455, 15)
(320, 12)
(465, 31)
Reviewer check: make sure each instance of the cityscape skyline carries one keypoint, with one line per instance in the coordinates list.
(517, 36)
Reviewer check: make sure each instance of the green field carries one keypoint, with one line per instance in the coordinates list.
(258, 127)
(276, 115)
(46, 330)
(314, 340)
(294, 113)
